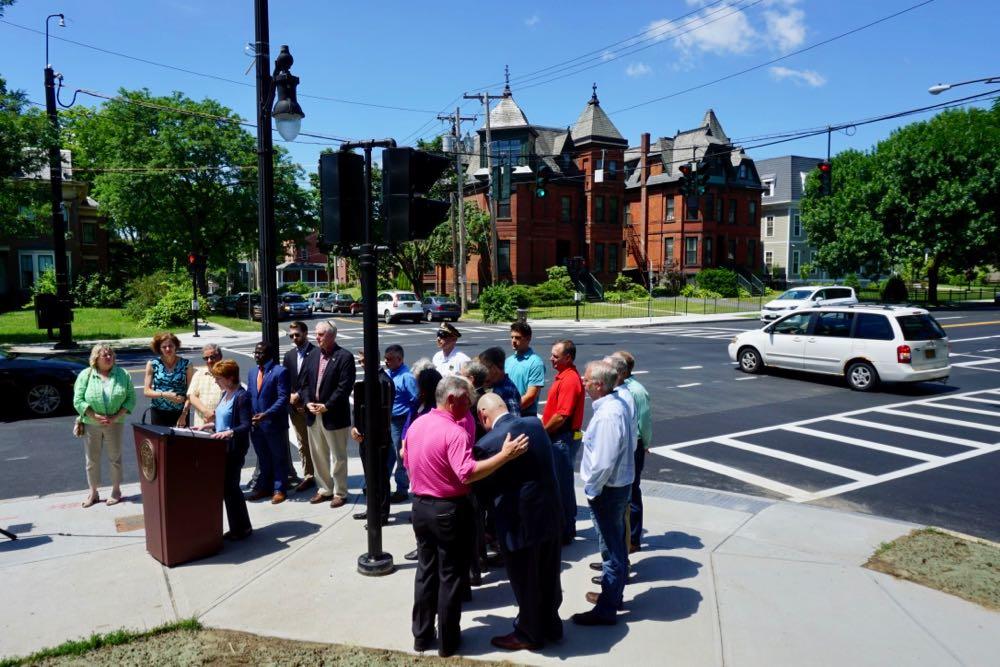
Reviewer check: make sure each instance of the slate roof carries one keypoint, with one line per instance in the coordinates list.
(594, 126)
(506, 115)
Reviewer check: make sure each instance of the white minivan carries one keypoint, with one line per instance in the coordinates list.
(806, 297)
(316, 300)
(865, 344)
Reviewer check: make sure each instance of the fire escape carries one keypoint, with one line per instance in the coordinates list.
(634, 242)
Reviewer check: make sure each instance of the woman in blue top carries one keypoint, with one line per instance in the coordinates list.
(167, 379)
(232, 422)
(103, 395)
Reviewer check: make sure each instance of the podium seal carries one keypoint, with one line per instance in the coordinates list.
(147, 460)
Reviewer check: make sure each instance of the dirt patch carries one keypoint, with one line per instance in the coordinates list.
(227, 647)
(964, 567)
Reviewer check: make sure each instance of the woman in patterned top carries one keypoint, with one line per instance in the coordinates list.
(167, 379)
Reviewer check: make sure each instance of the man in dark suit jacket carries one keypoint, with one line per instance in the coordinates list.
(526, 509)
(293, 361)
(267, 385)
(325, 386)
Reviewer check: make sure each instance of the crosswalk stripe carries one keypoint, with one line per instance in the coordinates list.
(958, 408)
(796, 459)
(940, 420)
(980, 400)
(735, 473)
(892, 428)
(858, 442)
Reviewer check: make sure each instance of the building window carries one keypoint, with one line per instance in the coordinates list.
(509, 152)
(719, 206)
(796, 224)
(599, 209)
(690, 208)
(795, 262)
(670, 208)
(612, 168)
(691, 251)
(88, 233)
(613, 258)
(752, 210)
(503, 209)
(613, 211)
(768, 187)
(33, 265)
(768, 260)
(303, 254)
(731, 254)
(707, 259)
(566, 161)
(769, 226)
(743, 172)
(732, 211)
(709, 206)
(628, 214)
(503, 257)
(598, 257)
(668, 251)
(565, 211)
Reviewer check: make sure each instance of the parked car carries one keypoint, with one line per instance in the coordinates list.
(290, 306)
(316, 300)
(441, 308)
(39, 385)
(337, 303)
(805, 297)
(243, 303)
(398, 305)
(865, 344)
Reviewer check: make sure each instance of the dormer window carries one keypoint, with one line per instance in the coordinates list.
(510, 151)
(743, 171)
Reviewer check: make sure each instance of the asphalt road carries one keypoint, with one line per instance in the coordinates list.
(933, 459)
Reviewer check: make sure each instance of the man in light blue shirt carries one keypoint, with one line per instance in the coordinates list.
(525, 368)
(645, 415)
(405, 388)
(607, 471)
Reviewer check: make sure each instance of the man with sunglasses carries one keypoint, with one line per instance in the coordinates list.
(448, 360)
(203, 393)
(294, 361)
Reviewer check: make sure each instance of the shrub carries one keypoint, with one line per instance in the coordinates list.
(722, 281)
(692, 292)
(895, 290)
(145, 292)
(552, 292)
(522, 295)
(497, 304)
(851, 280)
(664, 290)
(173, 309)
(297, 287)
(44, 284)
(97, 290)
(561, 274)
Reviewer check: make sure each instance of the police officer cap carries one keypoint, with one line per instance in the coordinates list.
(448, 329)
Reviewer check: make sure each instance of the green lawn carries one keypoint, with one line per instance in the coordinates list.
(18, 327)
(234, 323)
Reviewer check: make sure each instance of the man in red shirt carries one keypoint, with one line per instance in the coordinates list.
(438, 457)
(562, 419)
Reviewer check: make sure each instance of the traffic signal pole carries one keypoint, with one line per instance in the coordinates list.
(494, 241)
(460, 273)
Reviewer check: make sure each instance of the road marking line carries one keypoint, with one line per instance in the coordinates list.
(940, 420)
(978, 362)
(970, 324)
(751, 377)
(951, 317)
(858, 442)
(966, 340)
(796, 459)
(689, 368)
(965, 442)
(974, 411)
(980, 400)
(735, 473)
(639, 372)
(896, 474)
(690, 384)
(17, 458)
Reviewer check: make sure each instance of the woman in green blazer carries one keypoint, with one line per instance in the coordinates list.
(103, 396)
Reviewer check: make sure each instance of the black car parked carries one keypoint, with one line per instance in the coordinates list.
(38, 385)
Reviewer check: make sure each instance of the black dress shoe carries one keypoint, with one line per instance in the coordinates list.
(597, 565)
(411, 555)
(592, 618)
(597, 580)
(385, 520)
(360, 516)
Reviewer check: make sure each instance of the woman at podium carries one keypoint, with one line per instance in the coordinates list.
(232, 422)
(167, 380)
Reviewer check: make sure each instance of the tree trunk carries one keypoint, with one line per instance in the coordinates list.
(932, 279)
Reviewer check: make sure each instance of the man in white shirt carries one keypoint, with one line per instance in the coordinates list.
(607, 468)
(448, 360)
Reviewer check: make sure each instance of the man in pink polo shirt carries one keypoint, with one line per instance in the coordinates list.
(438, 457)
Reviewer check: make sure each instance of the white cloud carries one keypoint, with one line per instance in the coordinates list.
(798, 76)
(638, 69)
(786, 31)
(608, 55)
(532, 21)
(718, 29)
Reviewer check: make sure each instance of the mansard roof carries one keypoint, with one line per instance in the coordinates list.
(594, 126)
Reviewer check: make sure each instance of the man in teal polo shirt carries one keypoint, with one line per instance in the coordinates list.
(525, 368)
(645, 416)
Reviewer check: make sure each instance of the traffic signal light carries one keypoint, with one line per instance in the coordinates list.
(686, 170)
(407, 176)
(825, 178)
(700, 181)
(342, 198)
(541, 183)
(192, 262)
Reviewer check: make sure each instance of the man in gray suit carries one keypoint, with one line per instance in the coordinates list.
(526, 506)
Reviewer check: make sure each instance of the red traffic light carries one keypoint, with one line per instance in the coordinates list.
(192, 258)
(685, 169)
(823, 166)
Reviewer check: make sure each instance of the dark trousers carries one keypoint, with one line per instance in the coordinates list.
(158, 417)
(271, 447)
(443, 528)
(534, 578)
(564, 451)
(236, 504)
(608, 512)
(635, 504)
(383, 483)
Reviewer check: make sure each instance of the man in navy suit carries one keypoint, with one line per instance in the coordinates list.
(268, 388)
(528, 516)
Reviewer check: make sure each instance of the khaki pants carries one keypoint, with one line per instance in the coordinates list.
(302, 441)
(109, 437)
(323, 444)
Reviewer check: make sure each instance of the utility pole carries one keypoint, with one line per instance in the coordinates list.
(460, 275)
(494, 242)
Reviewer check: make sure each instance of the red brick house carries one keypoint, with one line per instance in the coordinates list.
(663, 230)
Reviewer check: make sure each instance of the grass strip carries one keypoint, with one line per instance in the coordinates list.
(79, 647)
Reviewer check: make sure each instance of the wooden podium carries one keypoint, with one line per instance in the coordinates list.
(181, 473)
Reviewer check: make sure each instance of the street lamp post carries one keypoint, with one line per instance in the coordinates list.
(289, 116)
(939, 88)
(64, 304)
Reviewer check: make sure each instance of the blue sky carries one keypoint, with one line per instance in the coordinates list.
(424, 55)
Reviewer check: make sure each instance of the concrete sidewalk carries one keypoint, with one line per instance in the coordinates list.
(722, 579)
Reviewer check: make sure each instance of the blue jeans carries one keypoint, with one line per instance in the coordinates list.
(608, 512)
(395, 458)
(564, 452)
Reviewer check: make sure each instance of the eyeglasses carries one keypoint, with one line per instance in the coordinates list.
(443, 334)
(294, 334)
(211, 357)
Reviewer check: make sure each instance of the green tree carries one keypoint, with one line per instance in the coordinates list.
(176, 175)
(24, 136)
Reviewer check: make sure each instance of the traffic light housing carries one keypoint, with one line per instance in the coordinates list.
(541, 183)
(192, 262)
(407, 176)
(687, 174)
(342, 198)
(825, 178)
